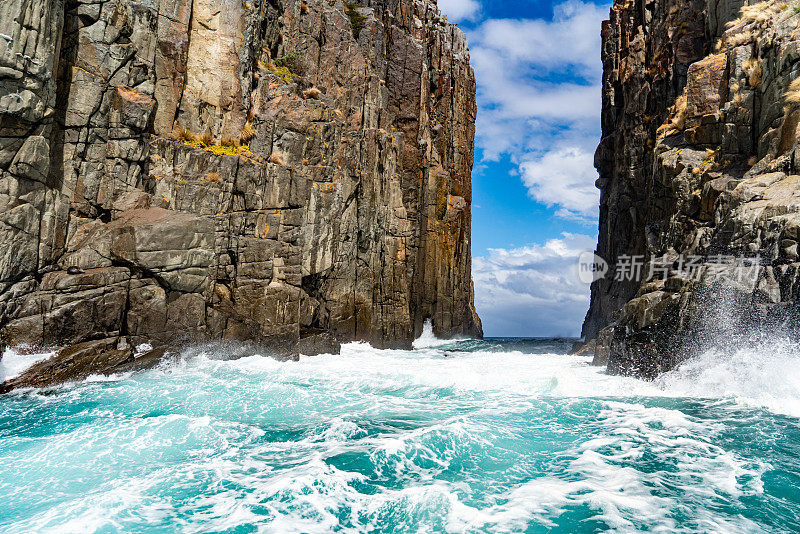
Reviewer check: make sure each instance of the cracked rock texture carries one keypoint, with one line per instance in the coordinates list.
(699, 157)
(281, 171)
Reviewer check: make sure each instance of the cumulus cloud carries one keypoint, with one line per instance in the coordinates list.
(564, 177)
(572, 38)
(458, 10)
(533, 290)
(539, 97)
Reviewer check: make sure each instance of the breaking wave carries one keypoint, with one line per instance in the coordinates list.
(456, 436)
(762, 373)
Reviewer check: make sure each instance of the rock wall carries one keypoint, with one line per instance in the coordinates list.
(698, 164)
(281, 171)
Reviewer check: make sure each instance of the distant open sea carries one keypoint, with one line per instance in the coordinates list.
(501, 435)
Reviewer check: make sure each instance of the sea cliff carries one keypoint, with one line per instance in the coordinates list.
(699, 176)
(291, 173)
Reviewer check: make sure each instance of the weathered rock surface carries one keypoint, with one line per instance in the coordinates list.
(698, 159)
(186, 170)
(98, 357)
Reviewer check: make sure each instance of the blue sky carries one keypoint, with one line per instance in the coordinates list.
(538, 69)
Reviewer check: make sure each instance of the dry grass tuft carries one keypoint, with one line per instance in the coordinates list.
(248, 132)
(754, 73)
(277, 158)
(678, 113)
(738, 39)
(303, 8)
(754, 20)
(792, 96)
(312, 92)
(676, 121)
(736, 90)
(755, 13)
(760, 13)
(229, 142)
(182, 135)
(213, 177)
(207, 139)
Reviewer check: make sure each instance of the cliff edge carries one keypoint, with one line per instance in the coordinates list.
(700, 179)
(291, 172)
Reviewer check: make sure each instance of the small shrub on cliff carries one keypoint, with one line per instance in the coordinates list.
(283, 73)
(226, 146)
(222, 150)
(280, 67)
(357, 20)
(708, 163)
(291, 61)
(303, 8)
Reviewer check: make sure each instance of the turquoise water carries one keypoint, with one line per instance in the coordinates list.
(494, 436)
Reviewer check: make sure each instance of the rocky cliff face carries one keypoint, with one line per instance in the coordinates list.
(699, 177)
(281, 171)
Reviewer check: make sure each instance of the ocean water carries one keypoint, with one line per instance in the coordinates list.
(464, 436)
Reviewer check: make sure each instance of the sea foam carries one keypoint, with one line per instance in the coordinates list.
(457, 436)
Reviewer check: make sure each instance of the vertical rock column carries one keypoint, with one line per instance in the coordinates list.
(277, 171)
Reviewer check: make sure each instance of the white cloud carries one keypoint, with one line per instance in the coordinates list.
(539, 97)
(533, 290)
(457, 10)
(571, 38)
(564, 177)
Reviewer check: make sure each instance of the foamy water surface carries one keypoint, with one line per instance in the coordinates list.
(465, 436)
